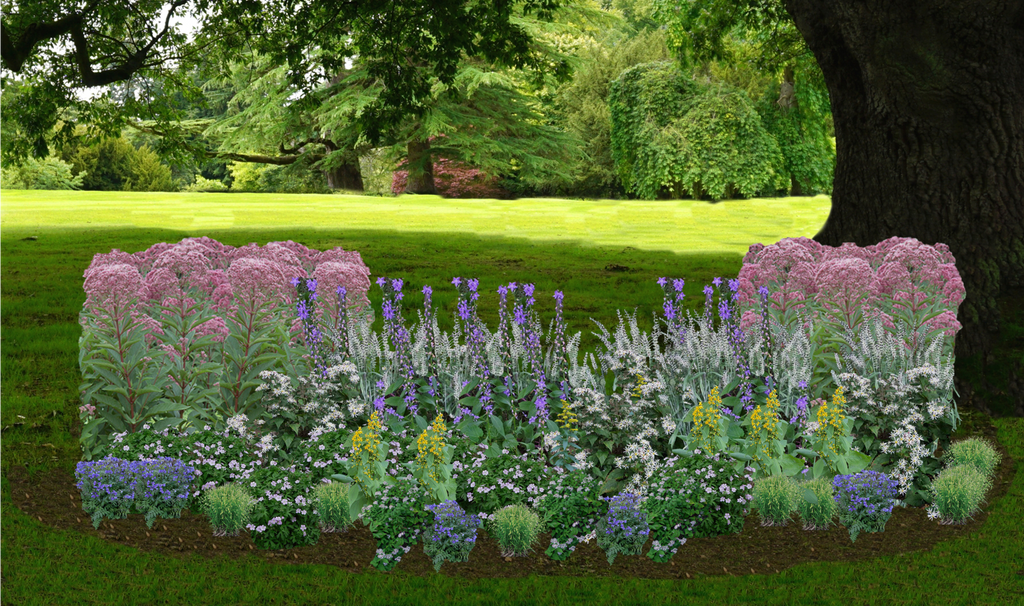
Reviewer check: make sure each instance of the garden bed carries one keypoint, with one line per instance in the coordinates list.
(52, 498)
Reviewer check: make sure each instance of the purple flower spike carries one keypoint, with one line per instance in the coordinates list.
(342, 291)
(473, 284)
(763, 290)
(678, 284)
(708, 290)
(734, 285)
(528, 289)
(396, 284)
(502, 290)
(558, 295)
(311, 285)
(428, 291)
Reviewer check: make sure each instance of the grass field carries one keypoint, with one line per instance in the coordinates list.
(605, 255)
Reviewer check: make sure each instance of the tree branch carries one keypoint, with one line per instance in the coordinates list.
(14, 54)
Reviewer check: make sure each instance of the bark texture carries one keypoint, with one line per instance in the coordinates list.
(421, 169)
(347, 176)
(928, 104)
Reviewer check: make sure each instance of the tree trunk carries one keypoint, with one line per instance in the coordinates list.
(346, 176)
(928, 105)
(421, 169)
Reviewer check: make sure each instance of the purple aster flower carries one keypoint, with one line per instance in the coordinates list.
(295, 282)
(381, 281)
(662, 282)
(456, 281)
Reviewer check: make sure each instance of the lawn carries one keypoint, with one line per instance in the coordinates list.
(605, 255)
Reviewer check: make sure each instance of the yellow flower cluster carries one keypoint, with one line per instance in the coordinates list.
(640, 382)
(367, 439)
(431, 441)
(832, 417)
(708, 416)
(764, 420)
(567, 418)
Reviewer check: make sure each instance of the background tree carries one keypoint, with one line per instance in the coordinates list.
(58, 49)
(672, 136)
(928, 104)
(927, 101)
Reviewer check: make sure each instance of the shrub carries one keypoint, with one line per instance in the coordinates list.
(228, 507)
(113, 164)
(333, 505)
(454, 180)
(48, 173)
(295, 178)
(674, 137)
(452, 536)
(624, 529)
(204, 184)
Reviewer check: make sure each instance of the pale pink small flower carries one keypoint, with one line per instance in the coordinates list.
(114, 285)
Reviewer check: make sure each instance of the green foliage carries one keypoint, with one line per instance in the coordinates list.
(672, 136)
(583, 106)
(204, 184)
(48, 173)
(147, 173)
(267, 178)
(516, 528)
(809, 155)
(113, 164)
(776, 497)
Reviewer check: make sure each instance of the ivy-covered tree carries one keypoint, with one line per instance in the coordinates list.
(672, 136)
(756, 40)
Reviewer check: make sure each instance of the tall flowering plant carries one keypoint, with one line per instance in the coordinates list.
(204, 320)
(879, 321)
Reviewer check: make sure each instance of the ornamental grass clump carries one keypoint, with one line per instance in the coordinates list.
(818, 516)
(515, 528)
(959, 491)
(976, 452)
(865, 501)
(624, 528)
(333, 506)
(776, 498)
(453, 534)
(228, 507)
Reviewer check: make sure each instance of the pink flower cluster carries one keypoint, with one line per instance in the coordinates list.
(455, 180)
(848, 278)
(250, 276)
